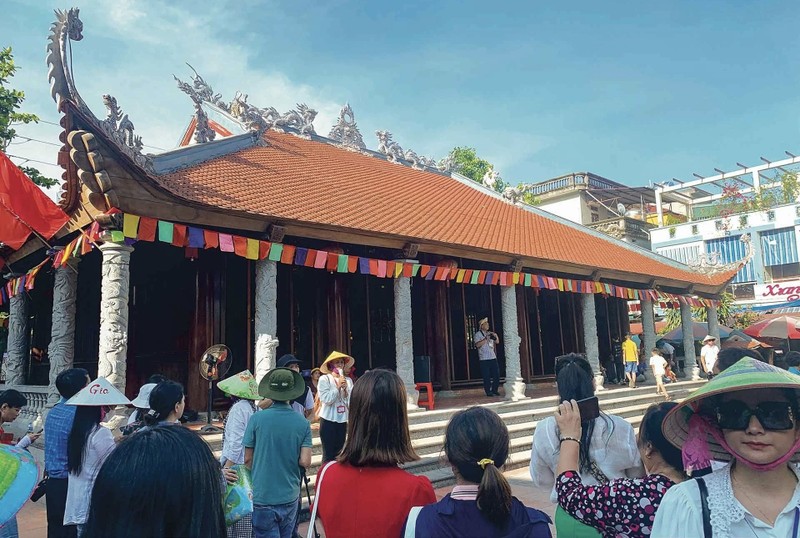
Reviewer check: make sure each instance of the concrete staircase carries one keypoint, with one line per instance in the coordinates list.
(428, 427)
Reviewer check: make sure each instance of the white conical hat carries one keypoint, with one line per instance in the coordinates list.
(99, 392)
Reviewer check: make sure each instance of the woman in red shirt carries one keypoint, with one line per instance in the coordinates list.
(363, 493)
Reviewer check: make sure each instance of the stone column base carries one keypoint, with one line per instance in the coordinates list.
(412, 397)
(696, 373)
(515, 390)
(598, 383)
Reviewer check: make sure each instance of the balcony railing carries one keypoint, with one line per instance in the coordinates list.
(572, 182)
(37, 402)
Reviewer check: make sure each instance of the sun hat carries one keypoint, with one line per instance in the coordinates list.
(241, 385)
(483, 320)
(336, 355)
(694, 432)
(142, 400)
(709, 337)
(282, 385)
(18, 477)
(99, 392)
(288, 359)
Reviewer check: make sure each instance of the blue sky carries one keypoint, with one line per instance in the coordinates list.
(632, 91)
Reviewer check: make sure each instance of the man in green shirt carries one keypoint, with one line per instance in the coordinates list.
(277, 443)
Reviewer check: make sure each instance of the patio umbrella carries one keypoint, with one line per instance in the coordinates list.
(739, 339)
(699, 331)
(783, 327)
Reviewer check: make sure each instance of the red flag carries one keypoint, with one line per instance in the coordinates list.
(24, 207)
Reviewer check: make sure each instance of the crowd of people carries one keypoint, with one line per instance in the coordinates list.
(720, 463)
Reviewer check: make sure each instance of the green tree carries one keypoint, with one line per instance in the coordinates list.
(10, 103)
(727, 315)
(467, 163)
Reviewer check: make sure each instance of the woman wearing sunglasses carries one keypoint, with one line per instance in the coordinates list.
(748, 416)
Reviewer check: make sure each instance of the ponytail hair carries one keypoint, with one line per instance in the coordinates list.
(163, 399)
(476, 443)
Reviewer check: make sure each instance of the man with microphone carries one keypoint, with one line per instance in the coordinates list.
(486, 341)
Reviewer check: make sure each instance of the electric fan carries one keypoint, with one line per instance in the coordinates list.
(214, 364)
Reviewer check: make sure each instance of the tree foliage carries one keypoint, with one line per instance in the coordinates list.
(727, 315)
(467, 163)
(10, 114)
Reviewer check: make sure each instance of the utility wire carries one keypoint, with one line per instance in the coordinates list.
(57, 125)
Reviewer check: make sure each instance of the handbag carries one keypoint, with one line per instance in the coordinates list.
(312, 524)
(40, 490)
(239, 496)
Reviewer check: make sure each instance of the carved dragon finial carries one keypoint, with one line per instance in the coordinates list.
(117, 126)
(711, 263)
(346, 132)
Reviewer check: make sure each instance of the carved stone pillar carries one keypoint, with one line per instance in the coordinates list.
(114, 291)
(18, 351)
(514, 386)
(648, 326)
(404, 343)
(689, 357)
(61, 350)
(713, 322)
(266, 317)
(590, 338)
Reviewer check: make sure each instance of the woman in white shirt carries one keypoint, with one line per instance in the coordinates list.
(243, 390)
(334, 390)
(88, 445)
(747, 415)
(608, 448)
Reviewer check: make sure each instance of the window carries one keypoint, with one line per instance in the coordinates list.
(595, 217)
(694, 229)
(771, 215)
(743, 221)
(782, 272)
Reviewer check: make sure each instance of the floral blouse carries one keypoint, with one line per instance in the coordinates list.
(625, 507)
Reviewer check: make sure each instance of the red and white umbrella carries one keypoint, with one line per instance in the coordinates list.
(783, 327)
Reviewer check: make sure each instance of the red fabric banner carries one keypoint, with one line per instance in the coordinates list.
(210, 237)
(24, 207)
(147, 229)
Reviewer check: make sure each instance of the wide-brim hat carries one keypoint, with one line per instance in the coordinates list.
(709, 337)
(336, 355)
(18, 477)
(288, 359)
(282, 384)
(483, 320)
(99, 392)
(747, 374)
(241, 385)
(142, 400)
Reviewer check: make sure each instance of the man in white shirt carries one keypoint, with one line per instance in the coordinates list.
(486, 341)
(708, 355)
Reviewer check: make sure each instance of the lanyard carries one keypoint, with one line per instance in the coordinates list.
(796, 522)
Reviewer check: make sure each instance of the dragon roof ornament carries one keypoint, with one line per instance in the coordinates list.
(711, 263)
(117, 126)
(394, 153)
(256, 119)
(346, 132)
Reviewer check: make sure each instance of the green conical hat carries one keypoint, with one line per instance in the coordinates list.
(18, 477)
(241, 385)
(747, 374)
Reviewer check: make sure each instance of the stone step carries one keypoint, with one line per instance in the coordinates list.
(433, 465)
(426, 433)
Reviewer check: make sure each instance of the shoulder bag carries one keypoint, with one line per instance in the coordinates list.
(312, 523)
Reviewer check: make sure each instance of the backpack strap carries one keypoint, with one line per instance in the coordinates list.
(701, 484)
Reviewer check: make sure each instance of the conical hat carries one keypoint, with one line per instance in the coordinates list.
(335, 355)
(241, 385)
(18, 478)
(99, 392)
(747, 374)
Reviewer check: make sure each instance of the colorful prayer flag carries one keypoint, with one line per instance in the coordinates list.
(252, 249)
(225, 243)
(210, 237)
(196, 239)
(275, 252)
(130, 225)
(165, 231)
(288, 254)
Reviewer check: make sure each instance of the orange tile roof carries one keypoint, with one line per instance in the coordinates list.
(306, 181)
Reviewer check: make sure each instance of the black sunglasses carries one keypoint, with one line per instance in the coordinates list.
(736, 415)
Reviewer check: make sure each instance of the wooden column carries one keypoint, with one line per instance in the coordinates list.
(524, 333)
(338, 338)
(441, 335)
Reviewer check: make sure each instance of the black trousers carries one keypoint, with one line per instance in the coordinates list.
(491, 376)
(332, 435)
(619, 369)
(56, 499)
